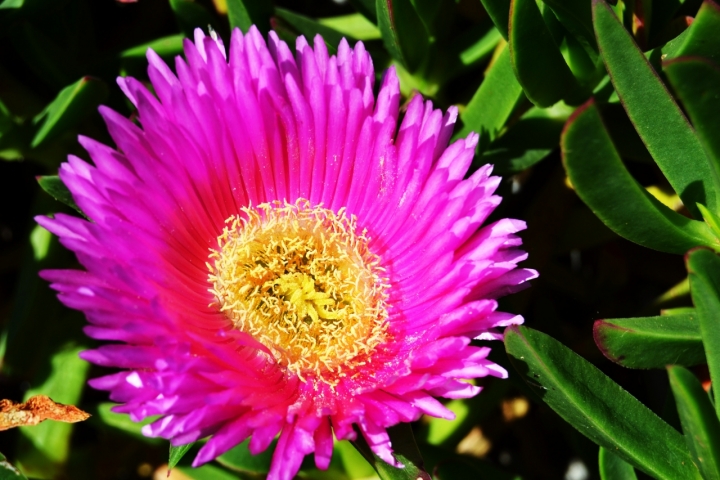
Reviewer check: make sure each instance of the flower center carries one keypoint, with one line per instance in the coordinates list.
(302, 281)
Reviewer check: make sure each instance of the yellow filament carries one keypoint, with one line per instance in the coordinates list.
(302, 281)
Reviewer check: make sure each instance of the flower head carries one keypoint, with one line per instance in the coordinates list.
(271, 254)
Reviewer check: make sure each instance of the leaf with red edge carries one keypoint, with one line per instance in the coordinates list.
(618, 200)
(538, 64)
(656, 116)
(404, 34)
(697, 83)
(704, 271)
(651, 342)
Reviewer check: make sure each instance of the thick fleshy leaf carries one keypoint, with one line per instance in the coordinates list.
(618, 200)
(467, 51)
(499, 12)
(122, 422)
(366, 8)
(613, 467)
(353, 463)
(239, 458)
(166, 47)
(191, 15)
(8, 471)
(206, 472)
(404, 34)
(57, 189)
(72, 105)
(711, 219)
(245, 13)
(536, 60)
(177, 453)
(651, 342)
(598, 407)
(704, 271)
(427, 10)
(701, 37)
(655, 114)
(696, 82)
(576, 17)
(44, 353)
(404, 450)
(699, 422)
(354, 26)
(493, 103)
(529, 140)
(44, 448)
(309, 28)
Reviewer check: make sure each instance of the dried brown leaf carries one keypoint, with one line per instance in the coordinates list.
(37, 409)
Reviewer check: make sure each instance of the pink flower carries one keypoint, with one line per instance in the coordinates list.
(270, 254)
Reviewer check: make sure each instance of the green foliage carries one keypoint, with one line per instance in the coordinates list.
(655, 114)
(598, 407)
(613, 467)
(537, 62)
(619, 201)
(699, 423)
(8, 471)
(651, 342)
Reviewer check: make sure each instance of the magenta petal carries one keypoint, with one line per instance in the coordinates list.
(224, 132)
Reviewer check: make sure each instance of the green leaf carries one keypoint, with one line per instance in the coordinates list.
(468, 412)
(43, 341)
(651, 342)
(697, 84)
(44, 448)
(536, 60)
(354, 26)
(403, 32)
(309, 28)
(240, 459)
(366, 8)
(481, 48)
(405, 451)
(206, 472)
(72, 105)
(499, 12)
(121, 421)
(493, 103)
(352, 461)
(8, 471)
(657, 118)
(699, 422)
(245, 13)
(57, 189)
(701, 37)
(712, 220)
(618, 200)
(427, 10)
(613, 467)
(576, 17)
(529, 140)
(166, 47)
(598, 407)
(704, 271)
(177, 453)
(191, 15)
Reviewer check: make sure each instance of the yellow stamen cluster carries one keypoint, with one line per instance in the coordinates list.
(302, 281)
